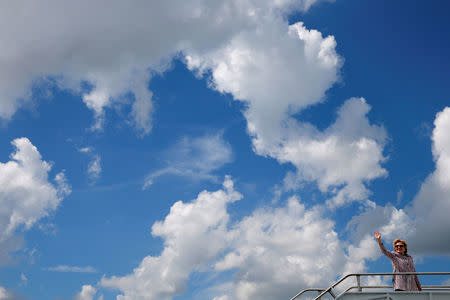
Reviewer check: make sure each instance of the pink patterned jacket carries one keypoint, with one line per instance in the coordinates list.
(402, 263)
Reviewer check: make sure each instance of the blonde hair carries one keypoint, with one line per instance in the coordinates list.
(403, 242)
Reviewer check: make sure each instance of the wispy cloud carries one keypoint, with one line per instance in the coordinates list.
(195, 158)
(85, 149)
(72, 269)
(94, 168)
(24, 280)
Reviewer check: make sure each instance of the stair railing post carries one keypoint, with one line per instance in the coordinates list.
(358, 282)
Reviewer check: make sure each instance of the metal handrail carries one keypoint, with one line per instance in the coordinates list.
(313, 290)
(358, 278)
(308, 290)
(424, 287)
(366, 287)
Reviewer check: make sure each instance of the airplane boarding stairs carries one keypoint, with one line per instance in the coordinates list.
(361, 292)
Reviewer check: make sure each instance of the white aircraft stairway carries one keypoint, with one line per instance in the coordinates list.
(373, 292)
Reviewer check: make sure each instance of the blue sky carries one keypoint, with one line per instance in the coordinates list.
(219, 150)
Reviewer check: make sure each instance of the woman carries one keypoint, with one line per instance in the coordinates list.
(401, 262)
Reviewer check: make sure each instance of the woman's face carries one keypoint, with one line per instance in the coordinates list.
(399, 248)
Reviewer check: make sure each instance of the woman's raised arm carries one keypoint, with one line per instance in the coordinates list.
(377, 236)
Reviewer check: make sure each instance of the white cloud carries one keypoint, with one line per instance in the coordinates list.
(390, 221)
(195, 158)
(63, 187)
(303, 5)
(9, 245)
(82, 42)
(194, 234)
(26, 195)
(85, 150)
(424, 223)
(224, 297)
(94, 168)
(278, 251)
(357, 255)
(253, 54)
(441, 148)
(273, 253)
(277, 73)
(24, 279)
(432, 203)
(9, 295)
(341, 159)
(73, 269)
(87, 293)
(276, 70)
(4, 294)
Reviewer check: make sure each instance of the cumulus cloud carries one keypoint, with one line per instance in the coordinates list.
(273, 252)
(244, 46)
(87, 293)
(278, 251)
(350, 153)
(4, 294)
(341, 159)
(26, 195)
(82, 42)
(433, 201)
(424, 222)
(9, 295)
(195, 158)
(299, 65)
(194, 234)
(358, 254)
(390, 221)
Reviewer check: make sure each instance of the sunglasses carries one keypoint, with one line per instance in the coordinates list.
(399, 246)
